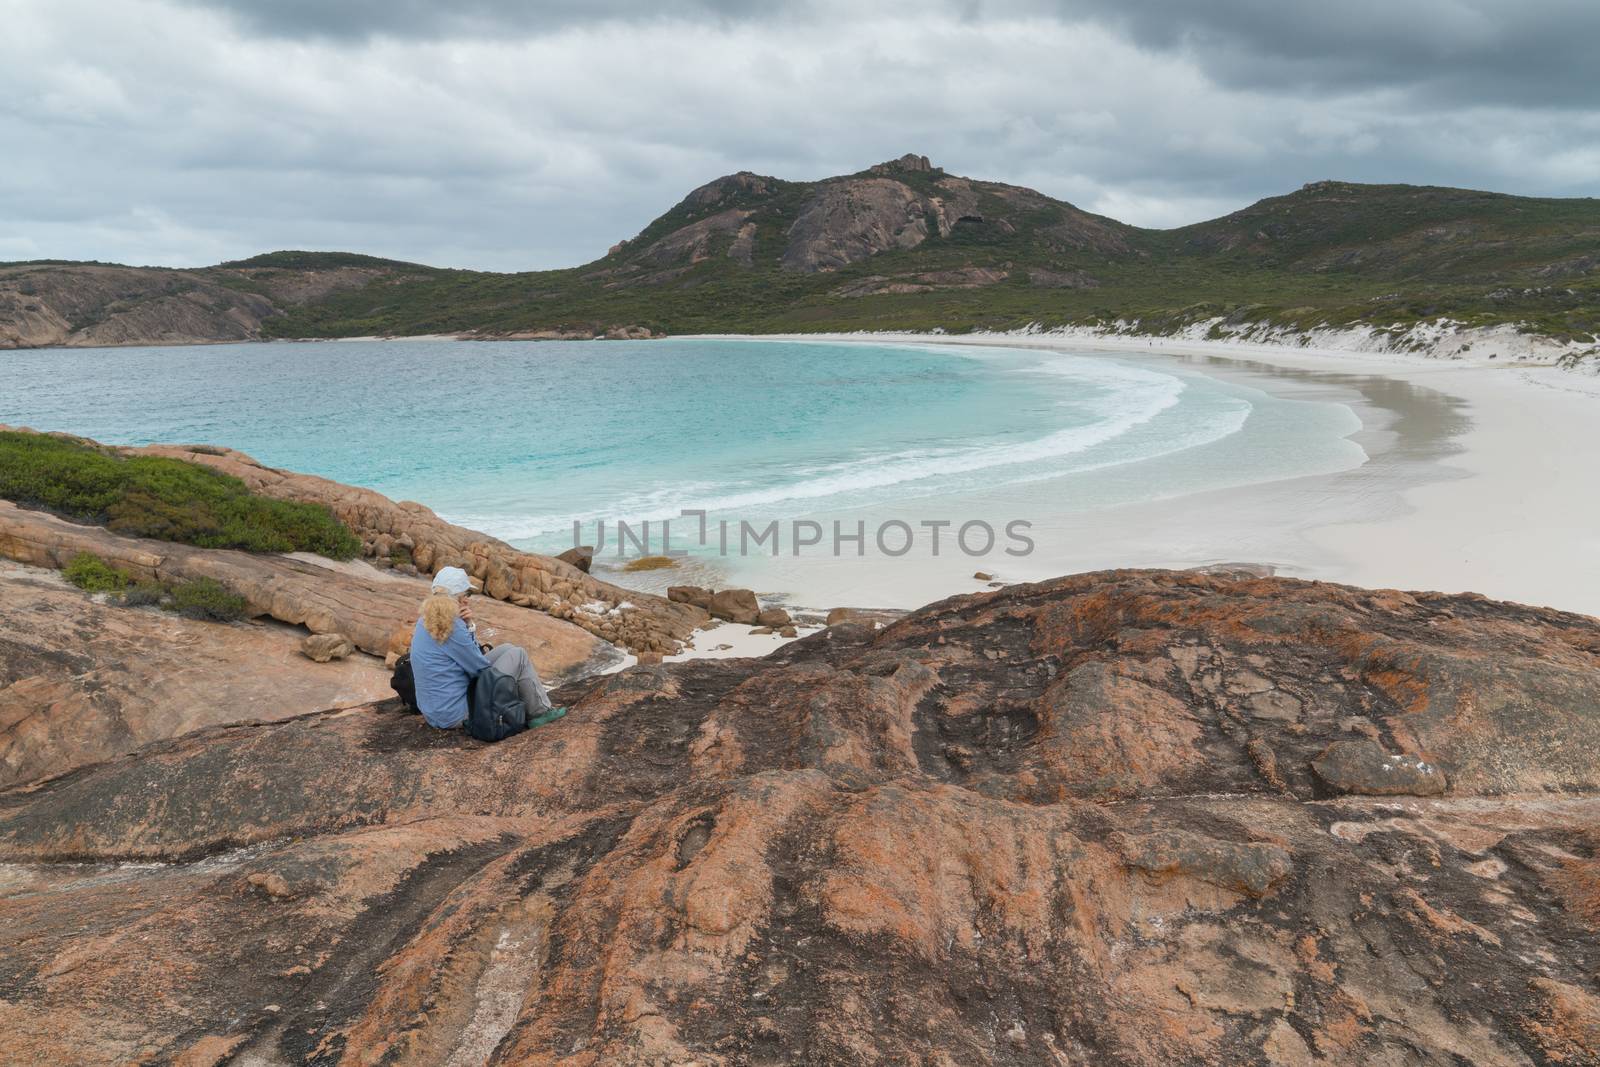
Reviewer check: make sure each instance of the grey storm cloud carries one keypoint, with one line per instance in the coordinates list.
(484, 133)
(1505, 50)
(1522, 50)
(410, 18)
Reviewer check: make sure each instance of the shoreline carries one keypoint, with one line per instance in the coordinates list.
(1497, 502)
(1474, 481)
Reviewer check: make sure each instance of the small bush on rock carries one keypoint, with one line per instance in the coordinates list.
(144, 595)
(164, 498)
(92, 574)
(205, 598)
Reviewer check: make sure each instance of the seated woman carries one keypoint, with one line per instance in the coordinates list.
(445, 657)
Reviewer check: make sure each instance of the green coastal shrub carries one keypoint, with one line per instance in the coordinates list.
(144, 595)
(92, 574)
(205, 598)
(202, 598)
(163, 498)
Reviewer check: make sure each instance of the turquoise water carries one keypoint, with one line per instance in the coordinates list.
(521, 439)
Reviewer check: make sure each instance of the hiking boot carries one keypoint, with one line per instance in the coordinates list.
(550, 716)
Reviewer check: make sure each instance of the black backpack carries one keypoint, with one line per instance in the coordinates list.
(404, 683)
(495, 709)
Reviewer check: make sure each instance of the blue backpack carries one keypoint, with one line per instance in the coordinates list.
(495, 709)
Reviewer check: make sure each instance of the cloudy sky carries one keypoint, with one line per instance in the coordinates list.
(516, 135)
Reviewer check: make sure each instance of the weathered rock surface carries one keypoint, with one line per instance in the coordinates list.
(368, 607)
(628, 333)
(847, 221)
(693, 243)
(81, 681)
(869, 617)
(410, 530)
(581, 557)
(325, 647)
(697, 595)
(910, 163)
(903, 203)
(1367, 768)
(730, 605)
(1045, 825)
(735, 605)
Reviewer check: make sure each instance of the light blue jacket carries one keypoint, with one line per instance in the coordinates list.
(443, 672)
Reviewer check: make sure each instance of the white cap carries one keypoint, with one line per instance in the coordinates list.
(452, 580)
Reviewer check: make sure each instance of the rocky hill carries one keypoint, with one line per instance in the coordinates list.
(901, 245)
(1120, 818)
(94, 304)
(809, 228)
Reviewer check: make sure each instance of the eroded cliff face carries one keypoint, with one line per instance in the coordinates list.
(1105, 819)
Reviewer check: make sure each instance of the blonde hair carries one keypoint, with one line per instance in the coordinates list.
(439, 613)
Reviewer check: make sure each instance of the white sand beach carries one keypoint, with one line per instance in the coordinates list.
(1479, 477)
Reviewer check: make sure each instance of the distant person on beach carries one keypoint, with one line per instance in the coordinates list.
(445, 657)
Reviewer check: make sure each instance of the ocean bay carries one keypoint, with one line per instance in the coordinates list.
(533, 442)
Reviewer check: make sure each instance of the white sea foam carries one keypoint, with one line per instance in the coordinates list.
(1118, 400)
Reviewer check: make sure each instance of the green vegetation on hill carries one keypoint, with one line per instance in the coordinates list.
(1329, 254)
(162, 498)
(901, 246)
(296, 260)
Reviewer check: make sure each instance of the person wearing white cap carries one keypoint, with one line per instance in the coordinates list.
(445, 657)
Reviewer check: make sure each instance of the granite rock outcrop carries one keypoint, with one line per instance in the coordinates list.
(1077, 821)
(372, 609)
(730, 605)
(404, 538)
(82, 681)
(411, 535)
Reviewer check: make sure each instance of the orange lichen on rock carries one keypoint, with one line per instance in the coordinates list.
(1567, 1027)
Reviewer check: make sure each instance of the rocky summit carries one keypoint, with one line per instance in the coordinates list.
(1135, 817)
